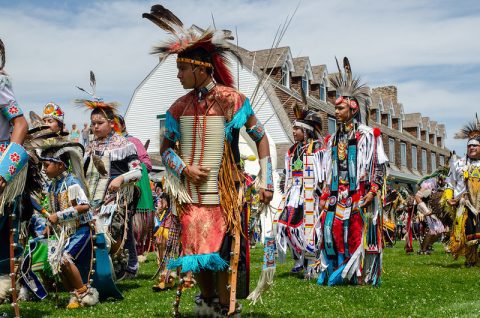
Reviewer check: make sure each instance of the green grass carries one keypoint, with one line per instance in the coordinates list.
(412, 286)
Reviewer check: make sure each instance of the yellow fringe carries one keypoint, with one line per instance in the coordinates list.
(447, 195)
(231, 198)
(457, 237)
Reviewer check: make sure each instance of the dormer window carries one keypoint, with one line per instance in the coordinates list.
(286, 75)
(427, 133)
(400, 124)
(419, 134)
(389, 120)
(323, 90)
(378, 116)
(305, 83)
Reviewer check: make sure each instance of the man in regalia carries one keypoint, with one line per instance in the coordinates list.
(463, 194)
(352, 220)
(200, 152)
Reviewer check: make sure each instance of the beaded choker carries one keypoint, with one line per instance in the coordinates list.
(202, 92)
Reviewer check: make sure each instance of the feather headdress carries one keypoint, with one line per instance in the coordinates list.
(470, 131)
(349, 88)
(96, 102)
(53, 148)
(214, 43)
(39, 131)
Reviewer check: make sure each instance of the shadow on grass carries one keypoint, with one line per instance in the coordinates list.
(127, 285)
(144, 276)
(191, 315)
(26, 313)
(290, 275)
(443, 265)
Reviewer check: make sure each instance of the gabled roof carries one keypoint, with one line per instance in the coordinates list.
(412, 120)
(377, 101)
(441, 130)
(426, 123)
(278, 57)
(302, 64)
(387, 105)
(433, 126)
(398, 108)
(330, 76)
(318, 72)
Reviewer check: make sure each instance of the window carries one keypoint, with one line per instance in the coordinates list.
(427, 134)
(441, 160)
(400, 124)
(285, 75)
(433, 159)
(323, 91)
(391, 150)
(424, 160)
(378, 116)
(305, 83)
(389, 121)
(161, 119)
(403, 154)
(419, 133)
(414, 157)
(332, 125)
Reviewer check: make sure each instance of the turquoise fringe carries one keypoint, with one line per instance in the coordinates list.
(200, 262)
(239, 119)
(171, 126)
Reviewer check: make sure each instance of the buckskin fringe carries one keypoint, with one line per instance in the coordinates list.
(14, 189)
(231, 198)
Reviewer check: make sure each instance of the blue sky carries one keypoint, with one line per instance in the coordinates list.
(429, 49)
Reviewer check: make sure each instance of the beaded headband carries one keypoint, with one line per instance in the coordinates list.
(191, 61)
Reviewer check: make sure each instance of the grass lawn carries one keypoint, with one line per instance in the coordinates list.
(412, 286)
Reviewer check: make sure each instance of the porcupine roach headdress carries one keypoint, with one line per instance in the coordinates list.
(349, 89)
(470, 131)
(96, 102)
(214, 43)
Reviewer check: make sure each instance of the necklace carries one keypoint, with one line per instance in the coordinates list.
(298, 163)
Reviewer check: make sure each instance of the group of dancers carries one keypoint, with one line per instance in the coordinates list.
(445, 206)
(73, 212)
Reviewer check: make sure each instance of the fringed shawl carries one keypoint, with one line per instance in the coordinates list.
(118, 146)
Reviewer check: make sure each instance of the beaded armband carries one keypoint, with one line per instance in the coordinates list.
(173, 162)
(266, 173)
(13, 159)
(67, 215)
(11, 111)
(257, 131)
